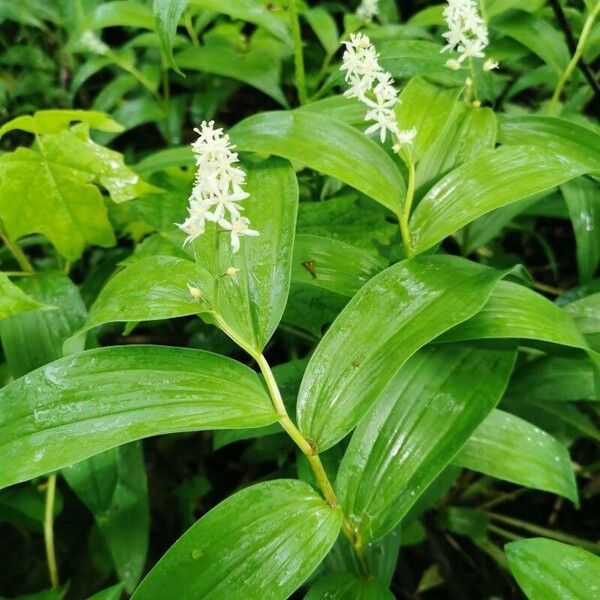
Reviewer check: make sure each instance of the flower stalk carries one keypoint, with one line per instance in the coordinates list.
(298, 54)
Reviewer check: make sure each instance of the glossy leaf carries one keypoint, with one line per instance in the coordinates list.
(550, 570)
(514, 311)
(325, 145)
(324, 26)
(112, 593)
(494, 179)
(426, 108)
(79, 406)
(14, 301)
(113, 487)
(511, 449)
(251, 301)
(156, 287)
(426, 413)
(390, 318)
(33, 339)
(262, 542)
(121, 13)
(574, 142)
(166, 18)
(346, 586)
(583, 201)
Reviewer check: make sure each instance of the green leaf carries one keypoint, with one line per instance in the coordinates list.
(251, 301)
(56, 121)
(575, 143)
(494, 179)
(326, 145)
(555, 379)
(35, 338)
(252, 11)
(262, 542)
(390, 318)
(469, 132)
(332, 265)
(583, 201)
(586, 313)
(324, 26)
(514, 311)
(121, 13)
(14, 301)
(550, 570)
(426, 108)
(511, 449)
(166, 18)
(346, 586)
(426, 413)
(111, 593)
(49, 190)
(156, 287)
(79, 406)
(113, 487)
(257, 65)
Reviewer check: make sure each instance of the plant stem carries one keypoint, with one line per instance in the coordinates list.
(473, 83)
(49, 531)
(16, 251)
(583, 38)
(405, 214)
(298, 55)
(309, 450)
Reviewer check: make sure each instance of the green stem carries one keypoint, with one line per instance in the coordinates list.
(189, 27)
(405, 214)
(473, 83)
(298, 55)
(309, 450)
(585, 33)
(16, 251)
(49, 531)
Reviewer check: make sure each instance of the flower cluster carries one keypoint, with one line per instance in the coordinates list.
(218, 188)
(368, 10)
(374, 87)
(467, 33)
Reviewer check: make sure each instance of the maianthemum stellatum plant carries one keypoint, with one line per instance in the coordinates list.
(436, 357)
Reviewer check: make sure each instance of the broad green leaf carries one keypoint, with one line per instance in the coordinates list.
(262, 542)
(257, 65)
(112, 593)
(332, 265)
(496, 178)
(113, 486)
(426, 108)
(550, 570)
(163, 159)
(55, 121)
(35, 338)
(426, 413)
(496, 7)
(252, 11)
(538, 35)
(326, 145)
(121, 13)
(347, 110)
(469, 132)
(514, 311)
(251, 301)
(583, 201)
(79, 406)
(14, 301)
(511, 449)
(166, 18)
(49, 190)
(156, 287)
(346, 586)
(324, 26)
(389, 319)
(574, 142)
(555, 379)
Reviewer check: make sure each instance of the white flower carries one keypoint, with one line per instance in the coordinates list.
(238, 227)
(218, 185)
(367, 10)
(490, 64)
(467, 32)
(370, 84)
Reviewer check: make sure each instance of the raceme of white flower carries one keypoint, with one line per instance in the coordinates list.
(374, 87)
(217, 189)
(467, 32)
(368, 10)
